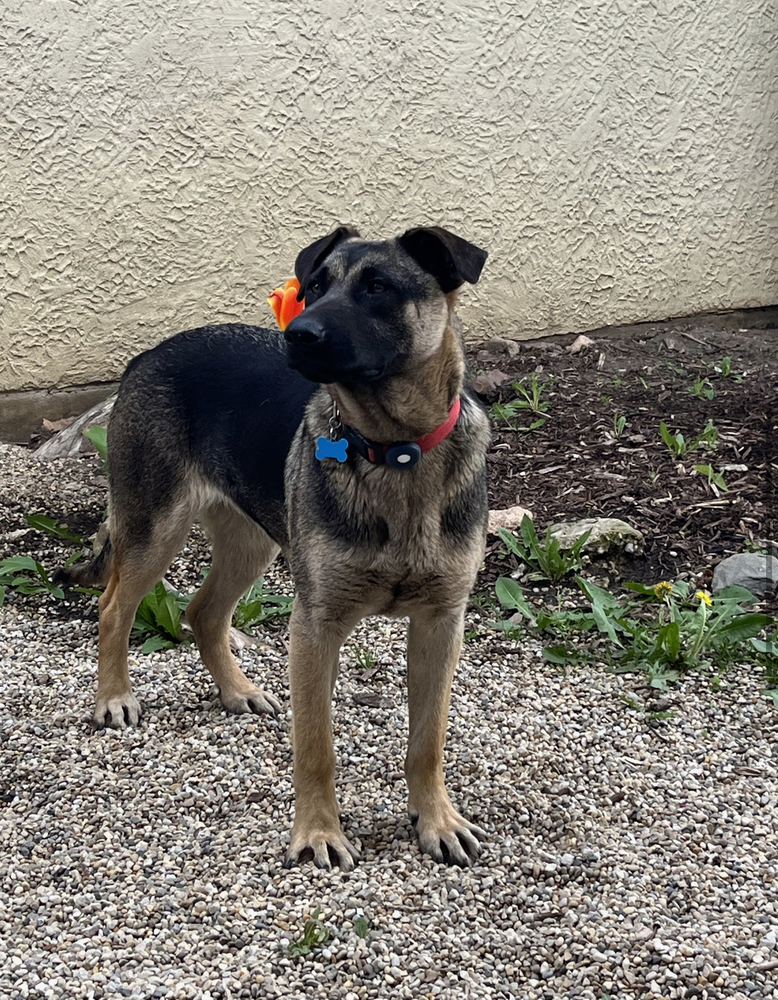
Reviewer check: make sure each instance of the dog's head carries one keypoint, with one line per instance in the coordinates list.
(372, 308)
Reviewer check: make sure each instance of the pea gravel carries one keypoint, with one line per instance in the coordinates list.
(626, 857)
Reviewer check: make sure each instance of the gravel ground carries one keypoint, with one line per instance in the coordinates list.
(628, 856)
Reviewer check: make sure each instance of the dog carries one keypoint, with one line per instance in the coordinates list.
(348, 442)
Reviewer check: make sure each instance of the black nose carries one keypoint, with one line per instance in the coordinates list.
(306, 331)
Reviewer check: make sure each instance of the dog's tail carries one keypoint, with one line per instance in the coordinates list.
(88, 574)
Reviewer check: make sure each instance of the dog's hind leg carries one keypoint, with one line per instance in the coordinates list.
(242, 551)
(434, 643)
(135, 568)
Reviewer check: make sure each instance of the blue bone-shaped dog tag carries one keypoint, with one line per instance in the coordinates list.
(331, 449)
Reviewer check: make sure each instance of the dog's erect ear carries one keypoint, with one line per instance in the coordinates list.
(448, 258)
(310, 258)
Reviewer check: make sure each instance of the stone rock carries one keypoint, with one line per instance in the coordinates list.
(580, 343)
(752, 570)
(510, 518)
(501, 345)
(71, 441)
(489, 381)
(609, 536)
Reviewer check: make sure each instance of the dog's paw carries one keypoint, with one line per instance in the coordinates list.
(116, 712)
(250, 699)
(327, 848)
(448, 837)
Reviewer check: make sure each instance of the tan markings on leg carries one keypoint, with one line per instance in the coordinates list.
(434, 643)
(242, 552)
(313, 667)
(134, 572)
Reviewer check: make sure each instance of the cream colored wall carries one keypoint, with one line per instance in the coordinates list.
(162, 162)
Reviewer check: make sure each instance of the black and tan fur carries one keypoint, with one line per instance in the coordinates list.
(219, 425)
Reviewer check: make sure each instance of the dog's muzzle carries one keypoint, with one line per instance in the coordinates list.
(317, 355)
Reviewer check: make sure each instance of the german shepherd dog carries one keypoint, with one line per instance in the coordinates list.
(349, 443)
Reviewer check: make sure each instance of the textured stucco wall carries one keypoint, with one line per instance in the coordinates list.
(162, 162)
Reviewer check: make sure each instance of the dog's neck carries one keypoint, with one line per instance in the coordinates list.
(405, 407)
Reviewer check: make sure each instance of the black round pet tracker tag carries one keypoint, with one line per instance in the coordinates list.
(403, 456)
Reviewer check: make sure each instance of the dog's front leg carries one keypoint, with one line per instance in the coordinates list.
(434, 644)
(314, 646)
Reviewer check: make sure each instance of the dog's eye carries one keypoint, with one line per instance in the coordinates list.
(375, 287)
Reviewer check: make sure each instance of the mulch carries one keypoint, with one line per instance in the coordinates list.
(575, 465)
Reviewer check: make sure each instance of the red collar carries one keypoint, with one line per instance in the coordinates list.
(402, 454)
(433, 439)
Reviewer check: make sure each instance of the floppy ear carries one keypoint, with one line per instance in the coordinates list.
(448, 258)
(310, 258)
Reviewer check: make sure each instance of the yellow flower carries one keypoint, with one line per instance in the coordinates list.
(703, 596)
(663, 589)
(284, 303)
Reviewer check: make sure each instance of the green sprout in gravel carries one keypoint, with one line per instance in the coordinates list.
(365, 659)
(158, 619)
(546, 560)
(662, 632)
(25, 575)
(314, 935)
(258, 605)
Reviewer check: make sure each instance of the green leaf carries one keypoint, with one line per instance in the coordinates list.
(42, 523)
(671, 442)
(559, 654)
(512, 543)
(314, 934)
(2, 596)
(509, 593)
(83, 554)
(772, 693)
(641, 588)
(597, 595)
(733, 593)
(528, 534)
(16, 564)
(744, 627)
(669, 641)
(99, 437)
(146, 615)
(247, 613)
(169, 616)
(155, 642)
(575, 549)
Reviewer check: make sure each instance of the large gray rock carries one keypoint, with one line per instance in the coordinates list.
(609, 536)
(71, 441)
(752, 570)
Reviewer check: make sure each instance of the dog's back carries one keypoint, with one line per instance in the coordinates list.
(217, 406)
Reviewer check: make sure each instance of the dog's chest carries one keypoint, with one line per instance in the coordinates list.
(390, 535)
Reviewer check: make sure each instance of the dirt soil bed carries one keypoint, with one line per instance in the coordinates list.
(581, 462)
